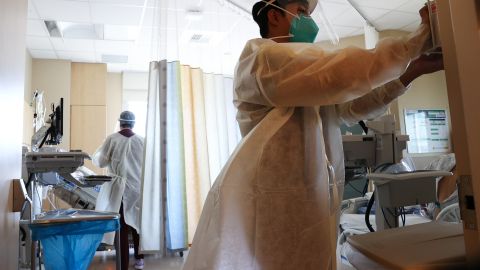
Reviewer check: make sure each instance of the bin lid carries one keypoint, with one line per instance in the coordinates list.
(73, 215)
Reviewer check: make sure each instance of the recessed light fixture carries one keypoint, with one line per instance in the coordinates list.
(72, 30)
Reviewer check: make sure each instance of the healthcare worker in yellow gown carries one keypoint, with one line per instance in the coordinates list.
(275, 204)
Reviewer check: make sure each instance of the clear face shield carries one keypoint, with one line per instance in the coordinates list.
(304, 27)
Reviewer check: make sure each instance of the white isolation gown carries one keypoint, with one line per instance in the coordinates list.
(273, 207)
(123, 156)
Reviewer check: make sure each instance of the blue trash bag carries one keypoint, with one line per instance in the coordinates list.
(71, 245)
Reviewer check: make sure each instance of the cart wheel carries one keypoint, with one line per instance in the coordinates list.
(181, 254)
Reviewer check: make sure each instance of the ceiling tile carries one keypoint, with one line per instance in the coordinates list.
(395, 20)
(39, 43)
(138, 3)
(412, 27)
(385, 4)
(115, 15)
(332, 10)
(36, 28)
(120, 32)
(148, 36)
(360, 31)
(412, 6)
(165, 18)
(32, 13)
(43, 54)
(113, 47)
(70, 11)
(77, 56)
(373, 13)
(349, 18)
(76, 45)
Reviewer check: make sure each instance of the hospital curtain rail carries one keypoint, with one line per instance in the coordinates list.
(190, 133)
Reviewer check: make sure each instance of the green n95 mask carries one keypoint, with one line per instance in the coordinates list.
(303, 29)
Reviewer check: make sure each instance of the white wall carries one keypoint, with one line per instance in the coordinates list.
(28, 110)
(54, 78)
(135, 89)
(13, 23)
(426, 92)
(114, 100)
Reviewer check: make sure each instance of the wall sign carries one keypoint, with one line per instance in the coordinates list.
(428, 131)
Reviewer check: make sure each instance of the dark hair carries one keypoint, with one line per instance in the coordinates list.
(262, 18)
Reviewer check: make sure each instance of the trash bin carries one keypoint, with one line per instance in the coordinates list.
(71, 237)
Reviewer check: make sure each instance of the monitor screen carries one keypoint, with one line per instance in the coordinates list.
(55, 132)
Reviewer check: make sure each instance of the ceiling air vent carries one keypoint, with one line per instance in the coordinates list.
(53, 29)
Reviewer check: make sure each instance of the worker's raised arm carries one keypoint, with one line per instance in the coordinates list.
(376, 102)
(298, 74)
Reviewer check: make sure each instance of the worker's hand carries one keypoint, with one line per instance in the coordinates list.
(424, 15)
(425, 64)
(429, 63)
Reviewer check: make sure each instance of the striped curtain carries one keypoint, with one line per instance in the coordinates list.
(191, 132)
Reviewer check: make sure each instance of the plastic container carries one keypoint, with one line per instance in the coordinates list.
(71, 237)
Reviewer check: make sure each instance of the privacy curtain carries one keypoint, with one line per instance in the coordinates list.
(191, 132)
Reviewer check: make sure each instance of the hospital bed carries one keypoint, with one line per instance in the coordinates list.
(352, 221)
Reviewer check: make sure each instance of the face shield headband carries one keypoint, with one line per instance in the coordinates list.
(303, 28)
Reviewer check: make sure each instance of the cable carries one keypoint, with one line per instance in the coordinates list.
(381, 167)
(363, 126)
(365, 188)
(403, 215)
(367, 212)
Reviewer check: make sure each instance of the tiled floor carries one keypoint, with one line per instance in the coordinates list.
(105, 260)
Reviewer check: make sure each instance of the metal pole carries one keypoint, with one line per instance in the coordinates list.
(32, 217)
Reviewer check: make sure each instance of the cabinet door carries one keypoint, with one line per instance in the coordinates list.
(88, 130)
(89, 83)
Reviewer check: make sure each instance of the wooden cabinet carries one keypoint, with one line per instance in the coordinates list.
(88, 109)
(89, 84)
